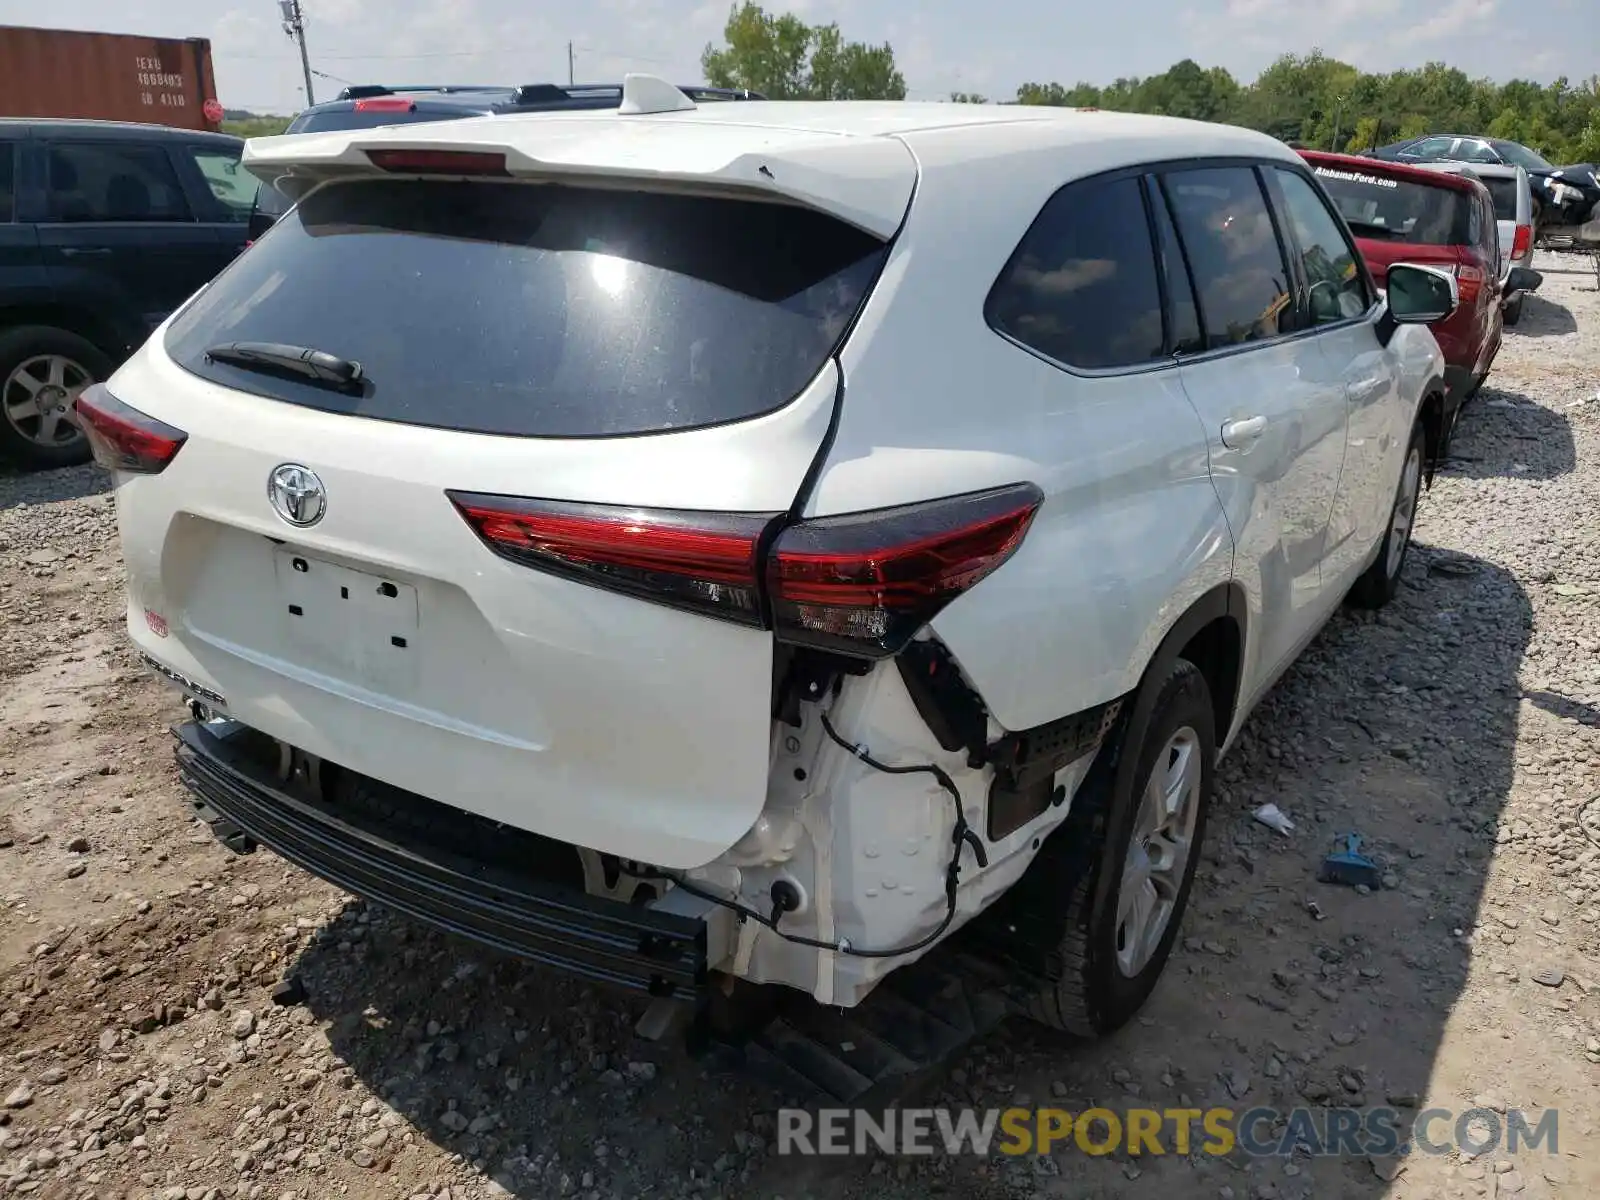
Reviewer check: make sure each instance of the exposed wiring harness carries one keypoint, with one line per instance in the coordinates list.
(960, 837)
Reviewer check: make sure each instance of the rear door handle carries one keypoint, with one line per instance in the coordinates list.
(78, 251)
(1238, 434)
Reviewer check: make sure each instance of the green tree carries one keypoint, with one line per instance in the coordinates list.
(967, 98)
(785, 59)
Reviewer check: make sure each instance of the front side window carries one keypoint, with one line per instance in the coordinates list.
(1473, 151)
(114, 181)
(1238, 266)
(1081, 287)
(1338, 291)
(231, 184)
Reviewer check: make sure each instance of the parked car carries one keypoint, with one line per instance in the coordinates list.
(1408, 214)
(105, 228)
(1513, 212)
(1562, 196)
(371, 105)
(864, 517)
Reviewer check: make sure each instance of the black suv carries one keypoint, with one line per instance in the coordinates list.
(105, 229)
(370, 105)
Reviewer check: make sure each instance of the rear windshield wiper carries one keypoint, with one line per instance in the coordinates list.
(318, 366)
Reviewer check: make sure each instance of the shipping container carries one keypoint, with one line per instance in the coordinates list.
(107, 77)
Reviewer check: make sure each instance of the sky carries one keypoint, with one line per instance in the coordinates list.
(940, 45)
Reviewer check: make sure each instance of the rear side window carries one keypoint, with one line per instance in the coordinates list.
(8, 181)
(1504, 194)
(1081, 287)
(1233, 251)
(114, 181)
(1338, 292)
(233, 186)
(270, 202)
(1376, 205)
(539, 311)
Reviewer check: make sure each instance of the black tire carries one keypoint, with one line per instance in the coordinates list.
(1513, 311)
(1379, 582)
(1092, 995)
(18, 435)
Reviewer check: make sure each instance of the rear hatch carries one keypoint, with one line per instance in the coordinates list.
(559, 385)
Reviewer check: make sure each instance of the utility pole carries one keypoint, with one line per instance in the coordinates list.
(294, 24)
(569, 64)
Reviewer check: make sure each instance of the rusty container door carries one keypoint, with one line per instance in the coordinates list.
(107, 77)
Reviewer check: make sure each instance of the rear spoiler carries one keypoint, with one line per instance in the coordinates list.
(864, 181)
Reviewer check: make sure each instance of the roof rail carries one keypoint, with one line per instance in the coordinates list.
(540, 93)
(359, 91)
(555, 93)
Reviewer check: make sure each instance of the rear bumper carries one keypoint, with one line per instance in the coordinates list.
(662, 951)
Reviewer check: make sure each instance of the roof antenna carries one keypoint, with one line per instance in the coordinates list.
(645, 94)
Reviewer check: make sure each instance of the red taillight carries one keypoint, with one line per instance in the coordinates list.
(123, 438)
(702, 561)
(439, 162)
(863, 584)
(1469, 280)
(860, 584)
(386, 104)
(1521, 240)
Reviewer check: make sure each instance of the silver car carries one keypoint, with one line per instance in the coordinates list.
(1513, 210)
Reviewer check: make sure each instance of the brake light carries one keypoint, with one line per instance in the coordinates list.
(863, 584)
(1521, 241)
(386, 104)
(696, 560)
(1469, 280)
(123, 438)
(439, 162)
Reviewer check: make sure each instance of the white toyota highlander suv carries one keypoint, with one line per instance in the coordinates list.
(749, 541)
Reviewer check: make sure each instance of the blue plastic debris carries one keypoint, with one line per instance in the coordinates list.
(1350, 867)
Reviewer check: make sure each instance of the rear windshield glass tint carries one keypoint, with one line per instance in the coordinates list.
(1504, 194)
(348, 118)
(1380, 206)
(541, 311)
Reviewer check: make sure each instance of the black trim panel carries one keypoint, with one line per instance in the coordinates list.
(645, 950)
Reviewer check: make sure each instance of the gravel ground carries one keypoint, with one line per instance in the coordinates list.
(1459, 731)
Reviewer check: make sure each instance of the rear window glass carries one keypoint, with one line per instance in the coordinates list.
(539, 311)
(1504, 194)
(1376, 205)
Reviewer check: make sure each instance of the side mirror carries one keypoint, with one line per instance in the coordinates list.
(1522, 279)
(1420, 295)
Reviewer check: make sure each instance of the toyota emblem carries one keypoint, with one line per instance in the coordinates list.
(297, 495)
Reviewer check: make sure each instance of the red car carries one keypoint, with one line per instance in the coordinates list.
(1408, 214)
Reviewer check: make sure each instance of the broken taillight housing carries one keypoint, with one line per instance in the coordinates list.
(121, 437)
(863, 584)
(860, 584)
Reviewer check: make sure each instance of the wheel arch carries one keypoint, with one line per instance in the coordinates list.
(1435, 424)
(104, 334)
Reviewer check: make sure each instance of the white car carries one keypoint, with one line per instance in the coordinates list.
(745, 541)
(1513, 211)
